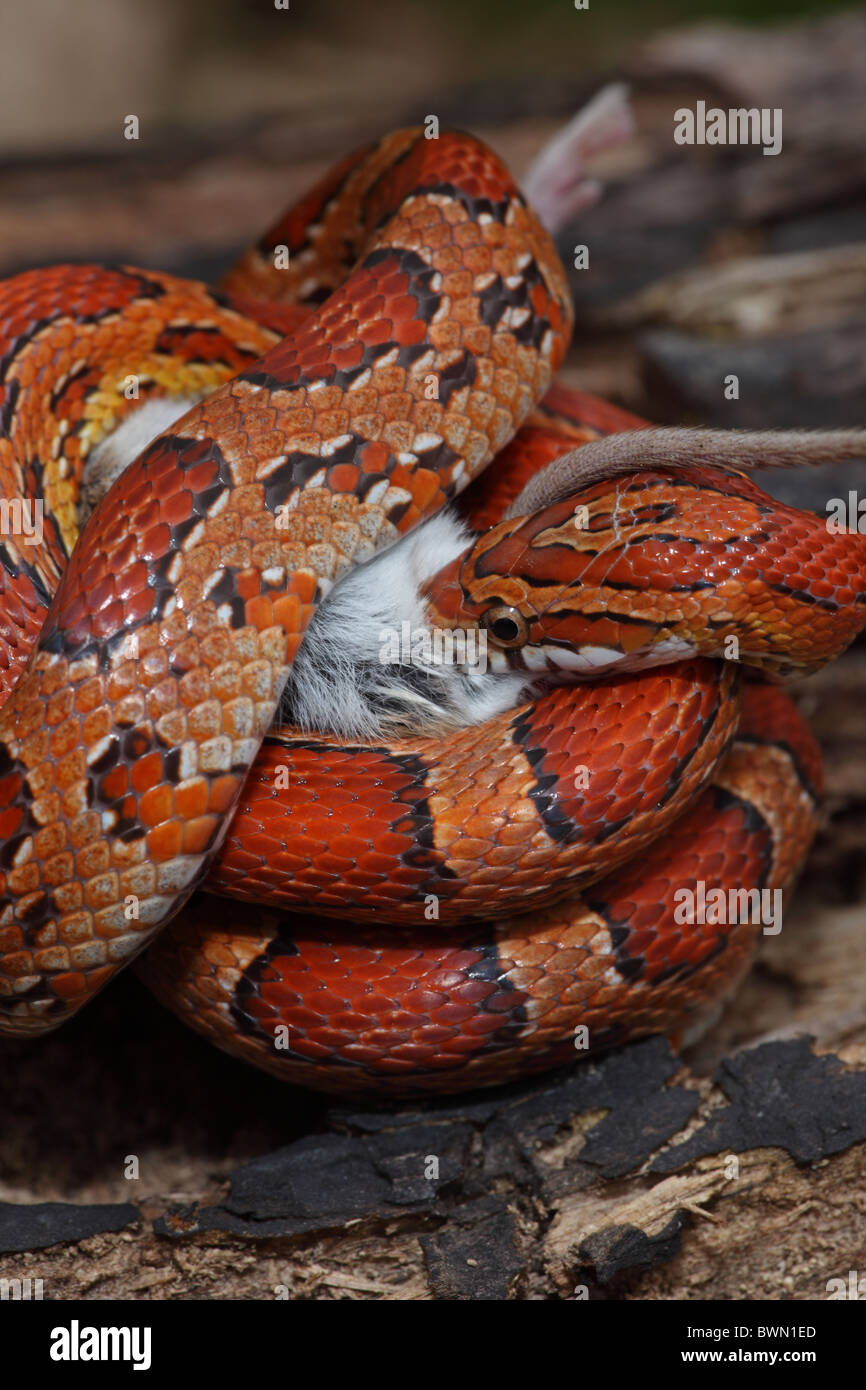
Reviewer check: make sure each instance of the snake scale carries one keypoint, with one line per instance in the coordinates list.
(460, 873)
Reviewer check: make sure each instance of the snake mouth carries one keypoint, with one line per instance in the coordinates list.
(372, 664)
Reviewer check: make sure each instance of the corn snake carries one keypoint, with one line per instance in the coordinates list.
(136, 708)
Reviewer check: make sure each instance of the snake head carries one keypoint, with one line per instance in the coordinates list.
(646, 564)
(641, 569)
(529, 585)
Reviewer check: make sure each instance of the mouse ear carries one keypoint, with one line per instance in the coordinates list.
(557, 183)
(633, 450)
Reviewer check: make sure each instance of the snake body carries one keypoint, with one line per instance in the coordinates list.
(488, 899)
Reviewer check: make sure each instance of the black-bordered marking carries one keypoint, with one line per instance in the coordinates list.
(634, 968)
(486, 967)
(559, 826)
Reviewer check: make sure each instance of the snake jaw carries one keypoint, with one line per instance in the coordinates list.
(370, 664)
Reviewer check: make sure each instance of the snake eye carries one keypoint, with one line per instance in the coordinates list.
(507, 626)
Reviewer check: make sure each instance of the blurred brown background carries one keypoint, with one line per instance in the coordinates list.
(69, 71)
(242, 105)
